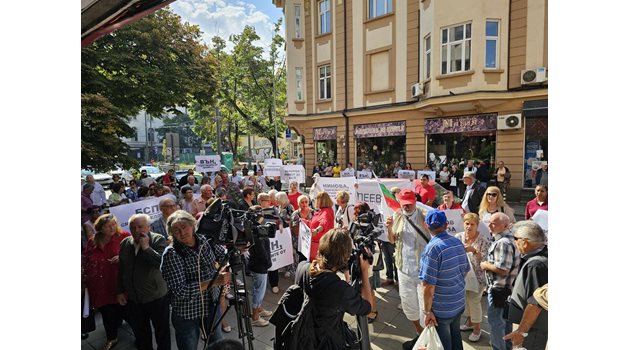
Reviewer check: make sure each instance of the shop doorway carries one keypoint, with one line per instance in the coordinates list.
(457, 148)
(382, 152)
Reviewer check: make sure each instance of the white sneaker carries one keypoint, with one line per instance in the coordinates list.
(266, 313)
(260, 322)
(465, 327)
(275, 290)
(474, 337)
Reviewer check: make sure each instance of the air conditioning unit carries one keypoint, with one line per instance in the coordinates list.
(509, 121)
(417, 90)
(534, 76)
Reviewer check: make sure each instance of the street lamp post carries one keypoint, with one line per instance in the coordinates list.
(273, 85)
(217, 119)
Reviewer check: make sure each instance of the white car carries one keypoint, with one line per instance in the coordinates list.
(125, 176)
(104, 179)
(153, 171)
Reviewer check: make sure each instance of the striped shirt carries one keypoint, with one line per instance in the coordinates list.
(444, 264)
(502, 254)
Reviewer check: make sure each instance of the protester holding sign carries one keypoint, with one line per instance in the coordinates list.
(476, 246)
(322, 221)
(303, 214)
(539, 202)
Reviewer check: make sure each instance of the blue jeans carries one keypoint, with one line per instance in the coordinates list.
(187, 331)
(390, 264)
(258, 288)
(499, 327)
(449, 333)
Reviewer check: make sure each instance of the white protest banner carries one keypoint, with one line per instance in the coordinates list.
(406, 174)
(455, 221)
(425, 208)
(334, 184)
(304, 240)
(293, 172)
(150, 207)
(430, 173)
(281, 249)
(369, 192)
(364, 174)
(540, 217)
(207, 164)
(347, 173)
(273, 167)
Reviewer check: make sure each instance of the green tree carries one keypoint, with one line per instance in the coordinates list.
(154, 64)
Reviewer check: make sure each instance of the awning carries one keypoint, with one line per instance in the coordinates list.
(536, 108)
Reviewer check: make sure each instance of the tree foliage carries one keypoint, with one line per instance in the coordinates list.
(154, 64)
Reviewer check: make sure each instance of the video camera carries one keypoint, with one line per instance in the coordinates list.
(364, 231)
(231, 227)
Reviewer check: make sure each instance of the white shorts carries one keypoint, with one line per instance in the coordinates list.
(410, 291)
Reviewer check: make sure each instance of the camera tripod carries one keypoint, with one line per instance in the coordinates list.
(240, 300)
(363, 332)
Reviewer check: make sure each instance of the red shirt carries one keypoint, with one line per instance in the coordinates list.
(533, 206)
(100, 274)
(454, 206)
(426, 193)
(325, 218)
(293, 199)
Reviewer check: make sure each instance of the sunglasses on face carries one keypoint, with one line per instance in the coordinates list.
(492, 194)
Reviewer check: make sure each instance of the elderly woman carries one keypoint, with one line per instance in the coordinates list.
(100, 274)
(322, 221)
(477, 245)
(538, 203)
(345, 213)
(285, 210)
(118, 195)
(194, 300)
(303, 215)
(493, 202)
(188, 202)
(293, 193)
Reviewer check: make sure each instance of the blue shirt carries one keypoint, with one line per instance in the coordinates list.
(444, 264)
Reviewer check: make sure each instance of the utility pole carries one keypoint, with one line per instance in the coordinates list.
(146, 139)
(249, 150)
(217, 119)
(273, 85)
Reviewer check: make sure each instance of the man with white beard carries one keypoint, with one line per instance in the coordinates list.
(406, 230)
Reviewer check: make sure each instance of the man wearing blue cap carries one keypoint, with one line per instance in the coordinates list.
(442, 271)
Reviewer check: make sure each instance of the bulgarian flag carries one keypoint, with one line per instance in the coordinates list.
(390, 204)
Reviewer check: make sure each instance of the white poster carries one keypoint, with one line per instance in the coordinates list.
(406, 174)
(207, 164)
(347, 173)
(364, 174)
(431, 174)
(455, 221)
(281, 249)
(150, 207)
(293, 172)
(334, 184)
(273, 167)
(540, 217)
(304, 240)
(369, 192)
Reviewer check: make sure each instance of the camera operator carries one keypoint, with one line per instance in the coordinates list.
(361, 211)
(188, 267)
(259, 263)
(405, 230)
(331, 296)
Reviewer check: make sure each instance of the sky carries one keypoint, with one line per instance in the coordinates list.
(227, 17)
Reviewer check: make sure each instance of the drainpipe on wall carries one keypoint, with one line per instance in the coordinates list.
(345, 82)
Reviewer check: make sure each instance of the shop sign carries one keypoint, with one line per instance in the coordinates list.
(468, 123)
(329, 133)
(380, 129)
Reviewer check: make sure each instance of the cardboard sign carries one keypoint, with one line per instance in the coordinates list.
(304, 240)
(207, 164)
(332, 185)
(364, 174)
(406, 174)
(540, 217)
(293, 172)
(281, 249)
(273, 167)
(430, 173)
(369, 192)
(455, 221)
(347, 173)
(150, 207)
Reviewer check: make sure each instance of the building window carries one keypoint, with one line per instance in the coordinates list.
(324, 17)
(492, 44)
(299, 84)
(427, 57)
(151, 135)
(379, 71)
(379, 8)
(298, 20)
(324, 83)
(456, 48)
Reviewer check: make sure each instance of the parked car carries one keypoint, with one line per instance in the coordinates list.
(104, 179)
(125, 176)
(153, 171)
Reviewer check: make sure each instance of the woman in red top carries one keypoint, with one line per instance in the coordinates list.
(293, 194)
(100, 274)
(322, 221)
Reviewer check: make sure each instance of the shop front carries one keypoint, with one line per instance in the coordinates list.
(536, 137)
(325, 145)
(454, 140)
(383, 144)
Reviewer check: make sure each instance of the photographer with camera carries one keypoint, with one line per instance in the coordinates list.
(189, 269)
(406, 230)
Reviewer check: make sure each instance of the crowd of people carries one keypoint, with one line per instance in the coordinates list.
(151, 276)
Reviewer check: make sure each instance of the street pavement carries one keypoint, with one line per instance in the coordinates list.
(388, 331)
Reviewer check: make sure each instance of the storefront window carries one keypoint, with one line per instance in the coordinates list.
(381, 151)
(536, 132)
(326, 152)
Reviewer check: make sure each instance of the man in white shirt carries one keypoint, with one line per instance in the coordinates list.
(98, 195)
(350, 168)
(236, 178)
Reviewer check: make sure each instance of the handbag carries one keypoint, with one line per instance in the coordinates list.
(499, 296)
(472, 284)
(88, 322)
